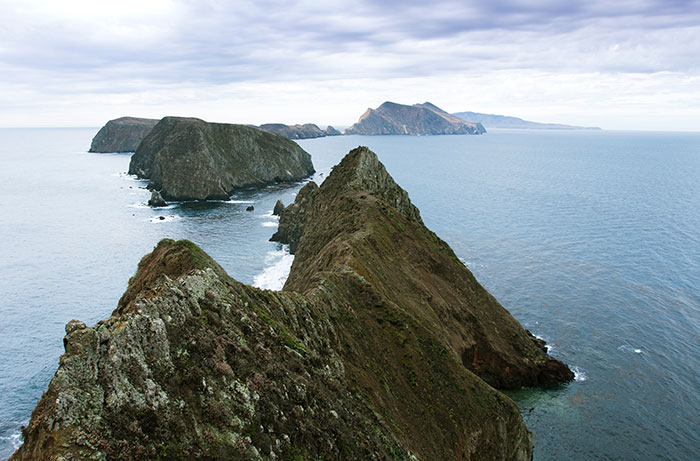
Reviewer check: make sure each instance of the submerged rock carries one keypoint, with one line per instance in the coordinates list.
(190, 159)
(250, 208)
(279, 208)
(418, 119)
(361, 356)
(156, 200)
(122, 134)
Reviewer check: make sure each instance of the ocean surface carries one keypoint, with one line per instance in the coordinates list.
(590, 239)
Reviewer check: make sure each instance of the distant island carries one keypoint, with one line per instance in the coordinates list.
(305, 131)
(381, 346)
(122, 134)
(505, 121)
(418, 119)
(190, 159)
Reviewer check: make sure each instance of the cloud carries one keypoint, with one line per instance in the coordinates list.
(49, 50)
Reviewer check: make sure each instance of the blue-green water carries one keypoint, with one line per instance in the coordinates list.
(590, 239)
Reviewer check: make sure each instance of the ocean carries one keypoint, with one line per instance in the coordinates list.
(590, 239)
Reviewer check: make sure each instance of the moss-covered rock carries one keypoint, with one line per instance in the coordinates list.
(190, 159)
(361, 356)
(122, 134)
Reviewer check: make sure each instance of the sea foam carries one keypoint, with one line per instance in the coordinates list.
(277, 266)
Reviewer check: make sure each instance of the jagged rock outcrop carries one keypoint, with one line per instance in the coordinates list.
(122, 134)
(352, 360)
(305, 131)
(418, 119)
(278, 209)
(156, 200)
(506, 121)
(190, 159)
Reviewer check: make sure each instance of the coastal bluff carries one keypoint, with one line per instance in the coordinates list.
(190, 159)
(122, 134)
(351, 360)
(419, 119)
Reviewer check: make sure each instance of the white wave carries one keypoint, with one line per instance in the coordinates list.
(239, 201)
(269, 224)
(162, 219)
(15, 439)
(277, 266)
(628, 348)
(548, 347)
(579, 374)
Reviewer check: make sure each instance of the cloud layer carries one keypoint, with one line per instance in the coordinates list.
(79, 61)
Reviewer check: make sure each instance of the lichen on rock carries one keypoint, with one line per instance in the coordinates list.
(354, 359)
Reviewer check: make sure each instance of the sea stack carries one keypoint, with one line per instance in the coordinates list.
(381, 345)
(418, 119)
(190, 159)
(122, 134)
(156, 200)
(279, 208)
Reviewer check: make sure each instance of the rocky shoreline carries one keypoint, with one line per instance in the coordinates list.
(380, 346)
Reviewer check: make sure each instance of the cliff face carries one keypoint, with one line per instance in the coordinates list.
(189, 159)
(354, 359)
(122, 134)
(305, 131)
(418, 119)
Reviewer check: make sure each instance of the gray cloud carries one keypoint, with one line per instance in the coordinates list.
(80, 47)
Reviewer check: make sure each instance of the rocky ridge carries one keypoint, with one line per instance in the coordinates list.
(418, 119)
(190, 159)
(305, 131)
(352, 360)
(122, 134)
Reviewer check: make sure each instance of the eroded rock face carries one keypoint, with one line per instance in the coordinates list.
(352, 360)
(122, 134)
(369, 220)
(189, 159)
(418, 119)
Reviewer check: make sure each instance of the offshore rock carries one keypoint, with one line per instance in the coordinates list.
(352, 360)
(190, 159)
(305, 131)
(418, 119)
(279, 208)
(156, 200)
(122, 134)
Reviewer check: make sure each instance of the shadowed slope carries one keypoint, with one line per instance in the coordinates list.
(359, 357)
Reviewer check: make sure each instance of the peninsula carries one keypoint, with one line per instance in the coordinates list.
(381, 345)
(418, 119)
(190, 159)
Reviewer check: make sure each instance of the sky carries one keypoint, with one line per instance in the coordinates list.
(615, 64)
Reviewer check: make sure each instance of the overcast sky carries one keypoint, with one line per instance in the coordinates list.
(616, 64)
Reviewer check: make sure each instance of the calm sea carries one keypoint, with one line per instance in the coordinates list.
(590, 239)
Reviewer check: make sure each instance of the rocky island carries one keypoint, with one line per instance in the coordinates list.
(305, 131)
(418, 119)
(381, 345)
(190, 159)
(122, 134)
(509, 122)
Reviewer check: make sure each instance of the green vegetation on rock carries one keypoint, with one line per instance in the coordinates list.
(375, 349)
(190, 159)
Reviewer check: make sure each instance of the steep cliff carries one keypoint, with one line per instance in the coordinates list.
(349, 361)
(122, 134)
(305, 131)
(190, 159)
(418, 119)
